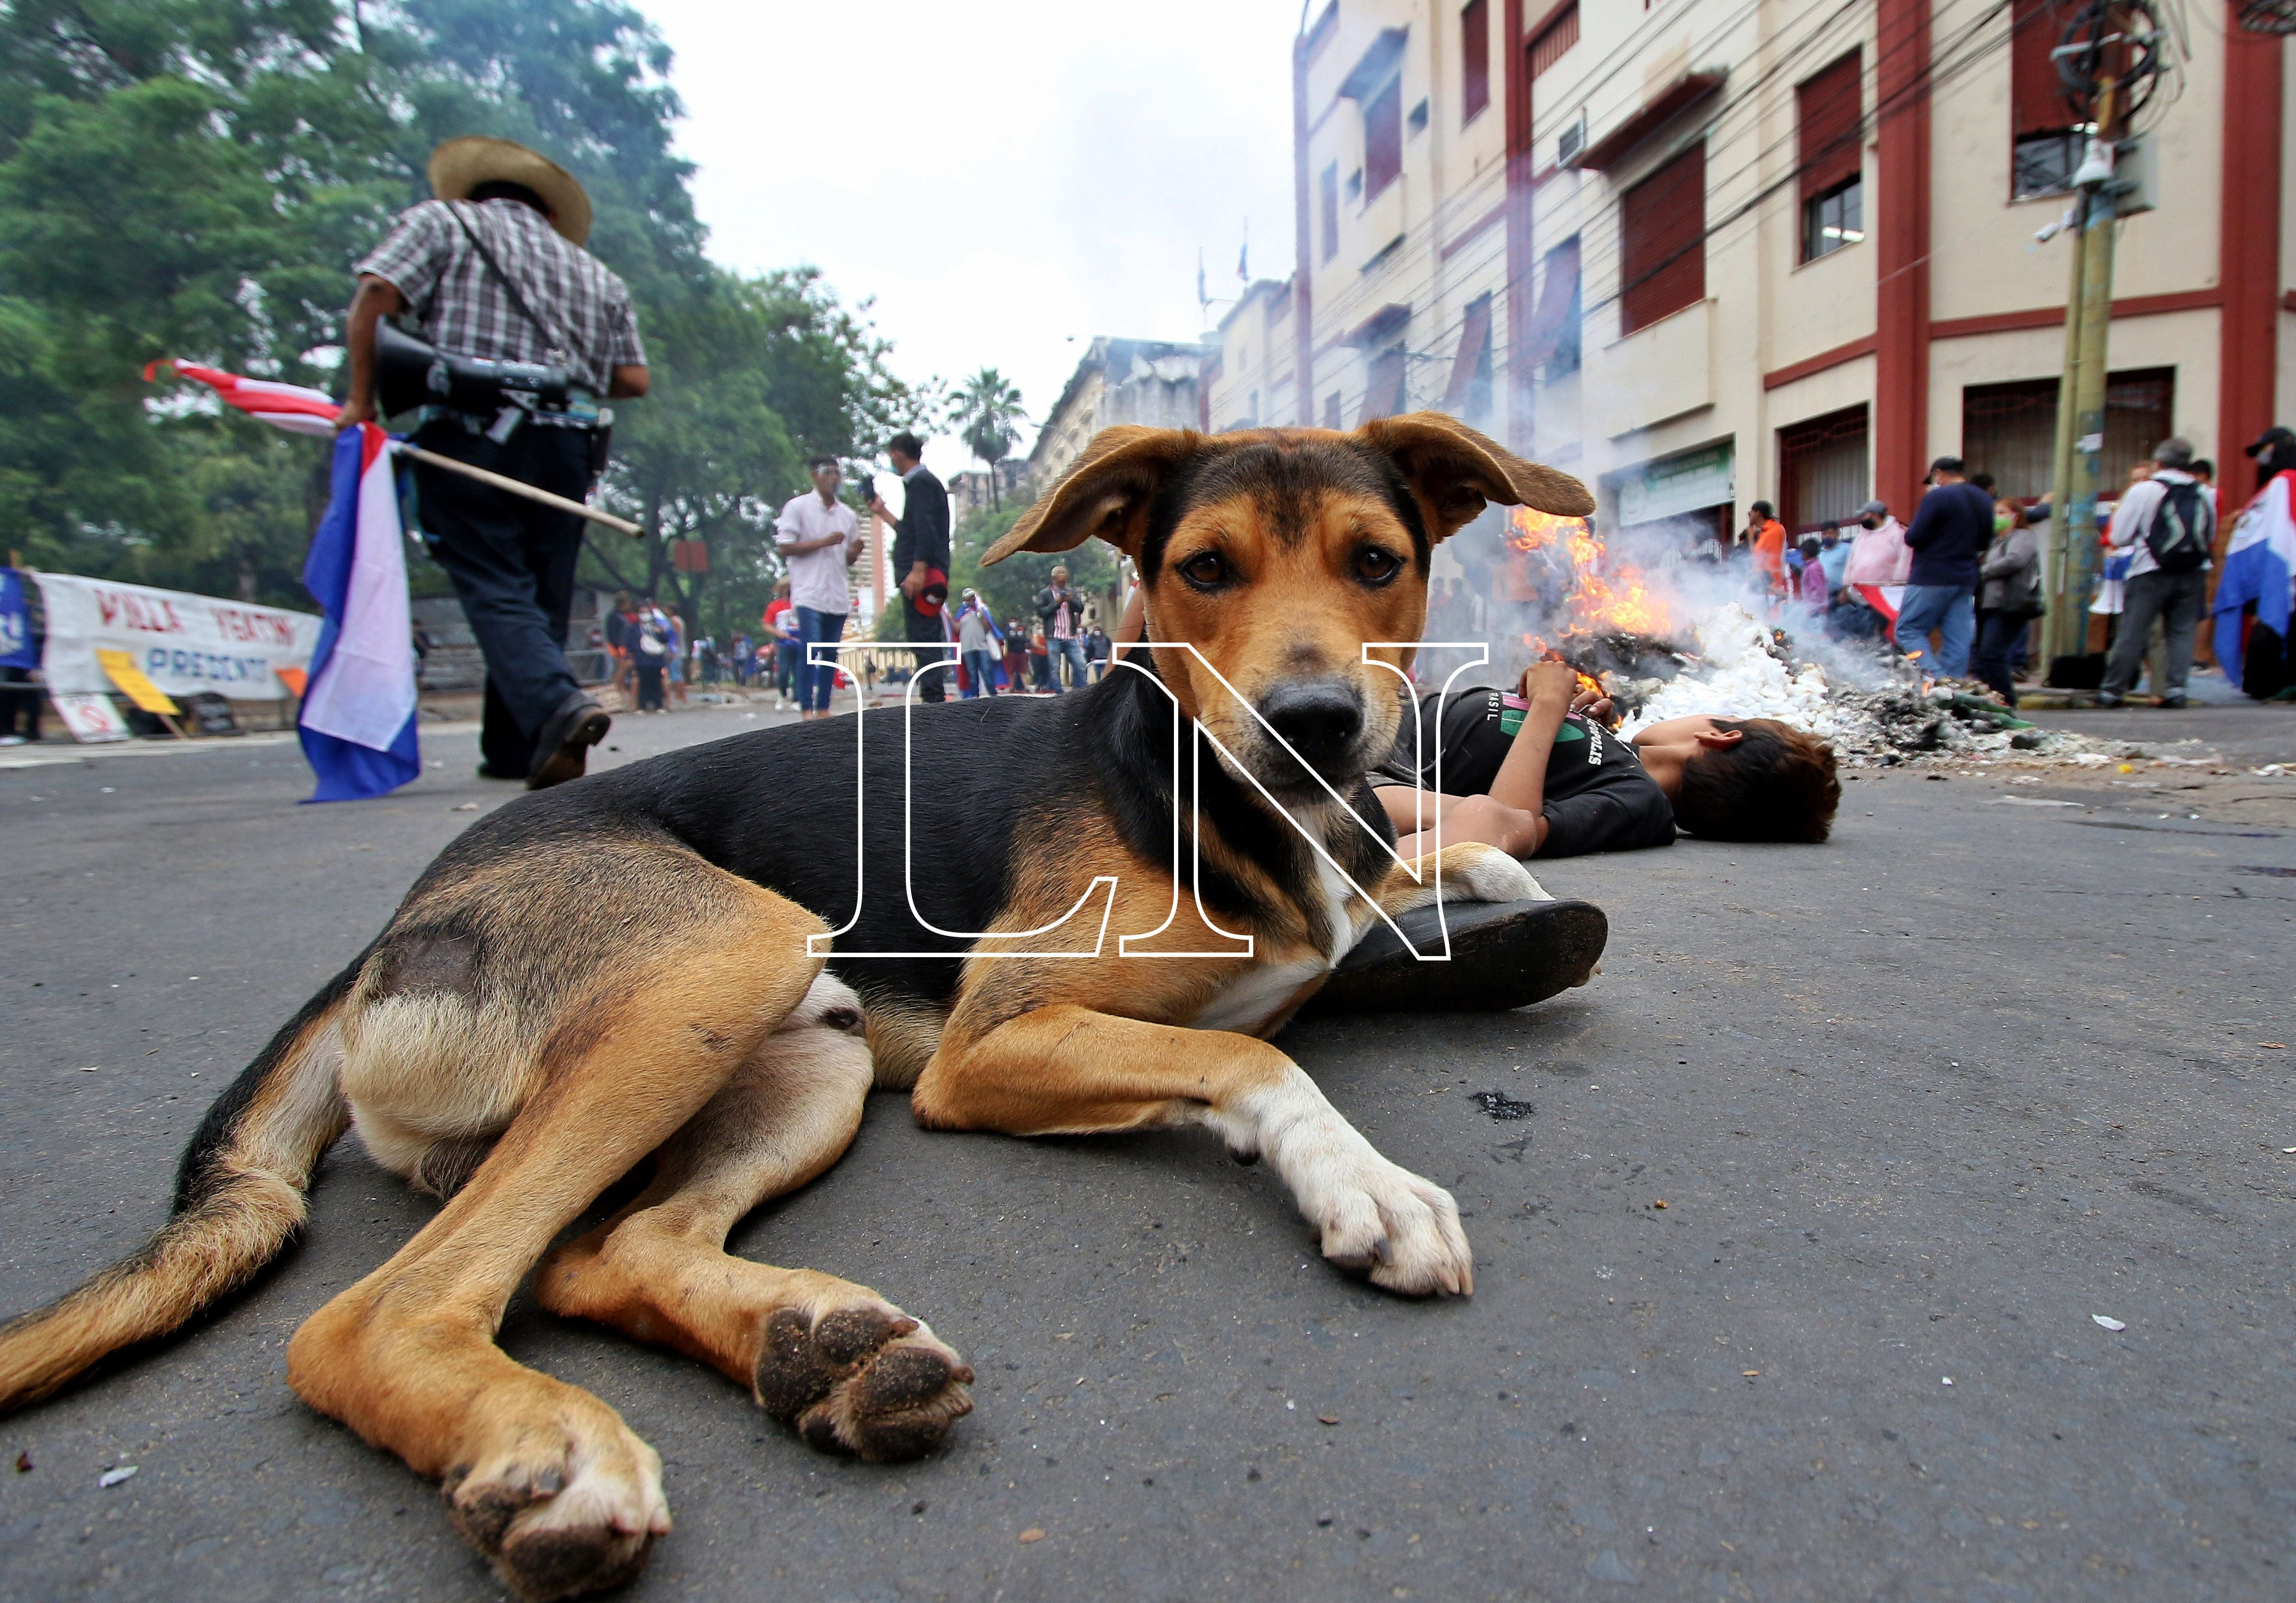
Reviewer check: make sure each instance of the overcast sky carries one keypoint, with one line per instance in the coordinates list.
(1006, 181)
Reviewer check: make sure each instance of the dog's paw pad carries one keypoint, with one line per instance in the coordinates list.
(869, 1381)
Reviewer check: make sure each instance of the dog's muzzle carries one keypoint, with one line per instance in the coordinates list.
(1321, 719)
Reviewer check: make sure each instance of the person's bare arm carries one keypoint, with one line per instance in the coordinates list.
(630, 382)
(1521, 781)
(376, 298)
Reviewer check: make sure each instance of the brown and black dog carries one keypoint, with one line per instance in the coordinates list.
(616, 972)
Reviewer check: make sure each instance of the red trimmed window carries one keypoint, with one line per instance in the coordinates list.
(1474, 60)
(1829, 111)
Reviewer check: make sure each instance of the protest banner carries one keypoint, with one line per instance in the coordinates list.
(182, 643)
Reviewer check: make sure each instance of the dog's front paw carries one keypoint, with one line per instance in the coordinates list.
(1380, 1220)
(1475, 873)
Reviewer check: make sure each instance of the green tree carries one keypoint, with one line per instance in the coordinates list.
(986, 409)
(1009, 586)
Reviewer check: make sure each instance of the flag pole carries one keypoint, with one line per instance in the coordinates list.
(432, 459)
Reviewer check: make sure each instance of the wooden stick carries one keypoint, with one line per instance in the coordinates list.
(516, 487)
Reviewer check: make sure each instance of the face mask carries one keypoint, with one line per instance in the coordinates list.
(2000, 523)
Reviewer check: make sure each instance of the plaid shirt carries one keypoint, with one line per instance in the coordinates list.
(461, 306)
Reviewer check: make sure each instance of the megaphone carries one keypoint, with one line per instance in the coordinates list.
(410, 373)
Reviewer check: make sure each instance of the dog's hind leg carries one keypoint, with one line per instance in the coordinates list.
(848, 1370)
(542, 1478)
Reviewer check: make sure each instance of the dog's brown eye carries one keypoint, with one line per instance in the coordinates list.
(1205, 568)
(1375, 565)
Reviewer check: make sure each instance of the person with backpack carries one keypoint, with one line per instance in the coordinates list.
(2167, 524)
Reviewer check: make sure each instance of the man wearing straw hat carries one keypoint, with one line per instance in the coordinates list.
(494, 269)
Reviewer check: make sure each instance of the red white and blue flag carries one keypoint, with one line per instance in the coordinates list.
(357, 720)
(2259, 565)
(357, 723)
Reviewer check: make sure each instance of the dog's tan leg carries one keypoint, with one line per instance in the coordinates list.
(848, 1370)
(1066, 1069)
(544, 1478)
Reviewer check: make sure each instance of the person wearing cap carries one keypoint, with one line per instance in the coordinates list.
(493, 267)
(921, 557)
(979, 646)
(1952, 527)
(2175, 594)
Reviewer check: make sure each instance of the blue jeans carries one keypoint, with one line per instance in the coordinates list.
(814, 683)
(1952, 611)
(982, 666)
(1073, 652)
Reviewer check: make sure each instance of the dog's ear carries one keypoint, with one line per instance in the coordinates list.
(1455, 470)
(1106, 493)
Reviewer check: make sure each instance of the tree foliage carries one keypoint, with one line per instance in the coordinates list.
(195, 178)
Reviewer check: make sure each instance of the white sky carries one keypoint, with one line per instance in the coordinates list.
(1006, 180)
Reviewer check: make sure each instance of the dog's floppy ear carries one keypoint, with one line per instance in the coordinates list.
(1453, 470)
(1106, 493)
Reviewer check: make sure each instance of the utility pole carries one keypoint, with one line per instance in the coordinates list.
(2110, 62)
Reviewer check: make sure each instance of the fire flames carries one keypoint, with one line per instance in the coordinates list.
(1600, 602)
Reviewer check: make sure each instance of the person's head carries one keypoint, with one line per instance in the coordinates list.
(2175, 451)
(2006, 514)
(1810, 546)
(2204, 469)
(1759, 514)
(2141, 471)
(2275, 451)
(781, 585)
(622, 601)
(1061, 577)
(1874, 514)
(905, 450)
(1983, 481)
(1742, 779)
(827, 475)
(502, 189)
(1948, 469)
(1829, 537)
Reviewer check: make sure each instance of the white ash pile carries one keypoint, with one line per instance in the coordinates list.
(1871, 705)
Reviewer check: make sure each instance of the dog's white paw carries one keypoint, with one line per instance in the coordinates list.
(1489, 875)
(1378, 1218)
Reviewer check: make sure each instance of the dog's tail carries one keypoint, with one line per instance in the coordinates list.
(239, 1199)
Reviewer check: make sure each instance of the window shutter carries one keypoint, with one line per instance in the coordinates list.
(1474, 339)
(1662, 221)
(1383, 386)
(1829, 110)
(1554, 302)
(2037, 95)
(1556, 37)
(1474, 59)
(1383, 116)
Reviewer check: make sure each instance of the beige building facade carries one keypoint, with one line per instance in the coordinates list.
(1156, 383)
(1703, 253)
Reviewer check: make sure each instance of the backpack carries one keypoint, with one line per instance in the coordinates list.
(2179, 535)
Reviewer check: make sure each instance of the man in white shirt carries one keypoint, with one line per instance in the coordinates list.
(819, 539)
(2167, 524)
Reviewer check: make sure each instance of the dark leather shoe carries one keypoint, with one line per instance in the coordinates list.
(488, 771)
(1504, 954)
(562, 748)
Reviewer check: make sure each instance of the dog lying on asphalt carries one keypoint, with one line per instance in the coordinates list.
(619, 970)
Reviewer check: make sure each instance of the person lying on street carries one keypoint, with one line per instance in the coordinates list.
(1549, 779)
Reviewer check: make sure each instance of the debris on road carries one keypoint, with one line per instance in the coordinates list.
(465, 807)
(1502, 1107)
(1032, 1534)
(2109, 1323)
(1327, 1418)
(2274, 1046)
(112, 1478)
(24, 1462)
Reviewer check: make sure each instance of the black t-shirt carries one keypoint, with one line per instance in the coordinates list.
(1597, 799)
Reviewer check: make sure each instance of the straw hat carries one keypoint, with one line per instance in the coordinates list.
(461, 164)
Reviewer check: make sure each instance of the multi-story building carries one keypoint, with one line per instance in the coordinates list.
(1702, 252)
(972, 491)
(1153, 382)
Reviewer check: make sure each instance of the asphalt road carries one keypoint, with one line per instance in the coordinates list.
(1785, 1288)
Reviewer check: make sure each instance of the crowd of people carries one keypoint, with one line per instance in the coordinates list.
(1960, 587)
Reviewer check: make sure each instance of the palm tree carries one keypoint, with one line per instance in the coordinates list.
(987, 407)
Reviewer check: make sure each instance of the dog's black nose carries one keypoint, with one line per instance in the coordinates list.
(1320, 718)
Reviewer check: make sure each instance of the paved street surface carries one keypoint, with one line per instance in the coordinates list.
(1785, 1288)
